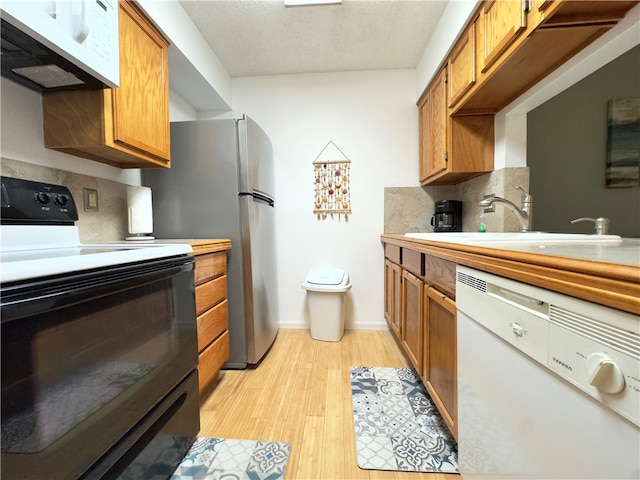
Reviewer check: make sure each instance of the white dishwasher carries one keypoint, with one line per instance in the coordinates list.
(548, 385)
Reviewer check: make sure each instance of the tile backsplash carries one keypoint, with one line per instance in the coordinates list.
(108, 224)
(409, 209)
(406, 209)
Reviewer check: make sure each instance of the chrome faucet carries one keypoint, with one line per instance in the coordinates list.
(523, 214)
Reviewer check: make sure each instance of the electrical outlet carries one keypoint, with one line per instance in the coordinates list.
(90, 200)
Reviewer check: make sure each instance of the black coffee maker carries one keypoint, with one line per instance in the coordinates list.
(447, 216)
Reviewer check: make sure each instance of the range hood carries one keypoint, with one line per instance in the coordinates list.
(31, 64)
(60, 44)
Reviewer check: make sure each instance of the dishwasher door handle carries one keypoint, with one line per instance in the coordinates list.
(518, 296)
(519, 300)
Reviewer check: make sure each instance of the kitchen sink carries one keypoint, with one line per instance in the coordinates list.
(516, 238)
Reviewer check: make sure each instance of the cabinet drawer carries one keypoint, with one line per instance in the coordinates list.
(209, 266)
(393, 253)
(212, 359)
(414, 262)
(442, 274)
(210, 293)
(212, 323)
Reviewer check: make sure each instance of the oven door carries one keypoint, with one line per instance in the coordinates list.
(85, 359)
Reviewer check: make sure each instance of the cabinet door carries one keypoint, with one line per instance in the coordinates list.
(393, 292)
(540, 9)
(462, 66)
(412, 318)
(140, 104)
(439, 130)
(424, 132)
(433, 128)
(440, 355)
(502, 20)
(388, 291)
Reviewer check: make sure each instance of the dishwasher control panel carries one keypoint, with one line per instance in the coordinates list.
(595, 348)
(598, 353)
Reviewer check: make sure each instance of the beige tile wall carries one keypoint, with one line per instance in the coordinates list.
(406, 209)
(409, 209)
(108, 224)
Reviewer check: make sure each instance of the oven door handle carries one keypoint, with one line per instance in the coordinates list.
(46, 295)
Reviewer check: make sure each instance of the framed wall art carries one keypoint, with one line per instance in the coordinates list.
(623, 143)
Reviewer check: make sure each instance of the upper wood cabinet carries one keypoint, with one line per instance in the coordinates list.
(502, 21)
(550, 13)
(433, 128)
(507, 47)
(518, 43)
(128, 126)
(462, 66)
(452, 149)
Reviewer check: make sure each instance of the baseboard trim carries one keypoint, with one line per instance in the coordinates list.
(351, 326)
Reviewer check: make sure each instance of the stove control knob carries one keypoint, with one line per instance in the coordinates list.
(61, 200)
(604, 374)
(43, 198)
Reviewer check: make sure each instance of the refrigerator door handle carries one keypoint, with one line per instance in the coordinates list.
(259, 197)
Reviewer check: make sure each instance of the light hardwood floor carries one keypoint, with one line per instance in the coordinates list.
(301, 394)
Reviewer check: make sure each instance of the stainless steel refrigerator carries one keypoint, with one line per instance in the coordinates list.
(221, 185)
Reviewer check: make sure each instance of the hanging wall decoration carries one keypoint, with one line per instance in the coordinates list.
(332, 185)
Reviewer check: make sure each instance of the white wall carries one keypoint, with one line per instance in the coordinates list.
(372, 118)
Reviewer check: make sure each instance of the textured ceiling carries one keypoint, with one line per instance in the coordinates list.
(262, 37)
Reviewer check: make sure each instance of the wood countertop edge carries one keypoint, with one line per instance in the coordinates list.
(613, 285)
(201, 247)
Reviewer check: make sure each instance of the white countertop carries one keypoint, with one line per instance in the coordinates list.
(625, 253)
(34, 251)
(607, 249)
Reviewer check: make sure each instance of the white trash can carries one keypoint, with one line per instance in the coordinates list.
(326, 289)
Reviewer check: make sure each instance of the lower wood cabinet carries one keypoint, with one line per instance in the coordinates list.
(393, 295)
(412, 318)
(212, 314)
(425, 324)
(439, 363)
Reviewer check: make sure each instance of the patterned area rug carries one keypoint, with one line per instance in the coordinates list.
(222, 459)
(397, 425)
